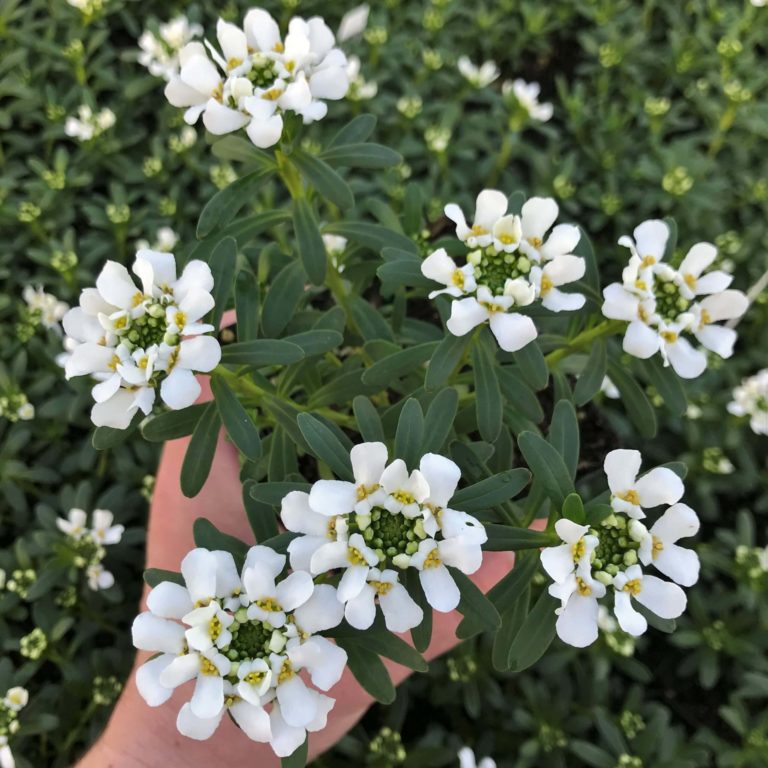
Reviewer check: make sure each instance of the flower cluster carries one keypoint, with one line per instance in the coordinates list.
(385, 521)
(750, 398)
(257, 76)
(243, 638)
(511, 264)
(14, 406)
(613, 552)
(87, 544)
(135, 341)
(527, 97)
(89, 124)
(160, 50)
(44, 307)
(661, 303)
(11, 704)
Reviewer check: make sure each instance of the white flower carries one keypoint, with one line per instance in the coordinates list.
(90, 543)
(98, 577)
(577, 615)
(441, 268)
(750, 398)
(16, 698)
(527, 95)
(663, 598)
(353, 23)
(26, 412)
(467, 760)
(573, 555)
(87, 125)
(243, 639)
(75, 524)
(11, 704)
(103, 532)
(479, 77)
(661, 303)
(137, 340)
(49, 308)
(629, 494)
(559, 271)
(386, 517)
(160, 53)
(490, 206)
(609, 389)
(360, 89)
(658, 545)
(759, 3)
(538, 216)
(334, 244)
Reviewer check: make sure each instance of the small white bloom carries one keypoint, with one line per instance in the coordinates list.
(441, 268)
(467, 760)
(750, 398)
(630, 494)
(573, 555)
(88, 125)
(160, 53)
(609, 389)
(478, 77)
(527, 95)
(578, 613)
(48, 307)
(353, 23)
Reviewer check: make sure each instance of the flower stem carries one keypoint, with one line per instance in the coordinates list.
(606, 328)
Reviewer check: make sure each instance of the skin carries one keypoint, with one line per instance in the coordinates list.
(138, 736)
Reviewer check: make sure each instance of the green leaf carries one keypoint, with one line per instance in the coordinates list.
(261, 352)
(200, 452)
(410, 432)
(298, 758)
(310, 242)
(106, 437)
(639, 408)
(362, 156)
(669, 251)
(591, 754)
(532, 365)
(325, 445)
(316, 342)
(667, 383)
(173, 424)
(505, 538)
(368, 669)
(225, 204)
(547, 466)
(280, 542)
(355, 131)
(413, 209)
(591, 378)
(504, 593)
(573, 509)
(282, 298)
(535, 635)
(368, 419)
(369, 320)
(273, 493)
(404, 272)
(587, 252)
(474, 604)
(511, 621)
(373, 236)
(488, 400)
(438, 422)
(247, 304)
(445, 360)
(390, 368)
(520, 398)
(241, 150)
(564, 434)
(155, 576)
(421, 635)
(261, 516)
(323, 178)
(236, 420)
(492, 491)
(222, 265)
(207, 535)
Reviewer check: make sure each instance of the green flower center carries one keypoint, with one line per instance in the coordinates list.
(616, 549)
(669, 302)
(87, 551)
(7, 716)
(495, 268)
(150, 328)
(263, 71)
(250, 640)
(390, 534)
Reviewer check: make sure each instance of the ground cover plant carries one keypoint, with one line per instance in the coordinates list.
(498, 277)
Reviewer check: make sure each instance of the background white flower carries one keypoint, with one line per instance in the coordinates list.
(160, 52)
(527, 96)
(478, 76)
(750, 398)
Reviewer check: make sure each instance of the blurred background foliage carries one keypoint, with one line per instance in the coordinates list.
(659, 110)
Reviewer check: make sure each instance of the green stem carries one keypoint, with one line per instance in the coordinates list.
(606, 328)
(289, 175)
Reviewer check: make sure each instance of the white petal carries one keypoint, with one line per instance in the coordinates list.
(299, 517)
(659, 486)
(490, 206)
(331, 83)
(558, 562)
(199, 571)
(272, 561)
(698, 258)
(687, 361)
(462, 553)
(466, 314)
(298, 703)
(265, 132)
(619, 303)
(679, 564)
(169, 600)
(632, 622)
(352, 582)
(294, 590)
(678, 522)
(200, 73)
(621, 467)
(194, 727)
(442, 476)
(302, 549)
(456, 215)
(208, 698)
(333, 497)
(148, 680)
(651, 239)
(328, 557)
(717, 339)
(401, 612)
(261, 30)
(219, 119)
(181, 670)
(253, 720)
(201, 353)
(87, 359)
(713, 282)
(563, 239)
(179, 389)
(640, 340)
(559, 301)
(152, 633)
(324, 660)
(439, 266)
(179, 94)
(322, 611)
(368, 462)
(512, 331)
(116, 286)
(196, 276)
(439, 588)
(577, 622)
(117, 412)
(662, 597)
(285, 738)
(360, 611)
(539, 214)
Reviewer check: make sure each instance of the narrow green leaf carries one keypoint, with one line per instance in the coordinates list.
(207, 535)
(591, 754)
(222, 265)
(511, 621)
(438, 421)
(474, 604)
(323, 178)
(261, 352)
(236, 420)
(309, 240)
(492, 491)
(369, 320)
(488, 400)
(273, 493)
(547, 466)
(261, 516)
(667, 383)
(410, 432)
(639, 408)
(282, 298)
(280, 542)
(316, 342)
(368, 419)
(106, 437)
(573, 509)
(519, 395)
(535, 635)
(564, 434)
(240, 150)
(200, 452)
(591, 378)
(355, 131)
(405, 273)
(325, 445)
(173, 424)
(373, 236)
(390, 368)
(532, 365)
(505, 538)
(341, 389)
(225, 204)
(422, 634)
(587, 252)
(369, 670)
(363, 155)
(155, 576)
(445, 359)
(247, 304)
(413, 209)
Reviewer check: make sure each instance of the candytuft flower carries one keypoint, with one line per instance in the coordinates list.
(478, 77)
(386, 520)
(527, 97)
(45, 306)
(160, 52)
(467, 760)
(663, 304)
(11, 704)
(750, 398)
(255, 76)
(243, 638)
(138, 340)
(88, 124)
(513, 262)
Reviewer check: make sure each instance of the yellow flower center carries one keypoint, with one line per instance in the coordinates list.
(458, 278)
(648, 261)
(381, 587)
(180, 318)
(634, 587)
(331, 534)
(507, 239)
(207, 667)
(143, 363)
(491, 307)
(255, 678)
(278, 47)
(273, 94)
(641, 285)
(478, 230)
(355, 556)
(690, 280)
(286, 672)
(113, 363)
(706, 318)
(658, 546)
(546, 285)
(631, 496)
(218, 93)
(214, 628)
(432, 560)
(364, 491)
(269, 604)
(138, 297)
(669, 336)
(535, 241)
(642, 314)
(404, 497)
(577, 550)
(582, 587)
(234, 62)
